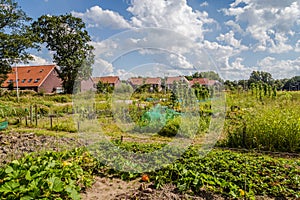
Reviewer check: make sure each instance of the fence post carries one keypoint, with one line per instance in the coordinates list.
(36, 118)
(30, 114)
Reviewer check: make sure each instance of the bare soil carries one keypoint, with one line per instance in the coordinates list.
(116, 189)
(13, 145)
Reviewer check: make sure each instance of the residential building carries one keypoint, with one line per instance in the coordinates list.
(203, 81)
(177, 79)
(155, 83)
(111, 80)
(41, 78)
(136, 82)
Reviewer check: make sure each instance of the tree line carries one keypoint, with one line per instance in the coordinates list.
(64, 35)
(264, 79)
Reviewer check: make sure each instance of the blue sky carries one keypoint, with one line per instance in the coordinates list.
(231, 37)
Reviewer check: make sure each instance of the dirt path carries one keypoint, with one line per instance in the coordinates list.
(107, 188)
(116, 189)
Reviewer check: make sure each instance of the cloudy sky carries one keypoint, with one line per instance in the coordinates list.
(169, 37)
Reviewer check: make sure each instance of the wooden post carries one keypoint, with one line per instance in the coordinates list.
(36, 115)
(30, 114)
(26, 122)
(51, 124)
(78, 126)
(121, 138)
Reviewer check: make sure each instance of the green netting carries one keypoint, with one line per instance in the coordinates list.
(159, 113)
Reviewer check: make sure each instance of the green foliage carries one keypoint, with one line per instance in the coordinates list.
(260, 77)
(209, 74)
(51, 175)
(67, 37)
(272, 124)
(171, 128)
(15, 37)
(201, 92)
(292, 84)
(234, 175)
(104, 88)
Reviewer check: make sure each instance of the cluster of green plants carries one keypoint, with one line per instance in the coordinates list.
(51, 175)
(271, 125)
(232, 174)
(62, 175)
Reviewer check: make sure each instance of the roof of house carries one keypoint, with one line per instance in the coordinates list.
(107, 79)
(171, 80)
(29, 76)
(202, 81)
(136, 81)
(153, 81)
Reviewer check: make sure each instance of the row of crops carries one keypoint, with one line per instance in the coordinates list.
(62, 175)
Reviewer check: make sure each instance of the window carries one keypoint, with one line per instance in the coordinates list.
(10, 81)
(29, 80)
(23, 81)
(28, 71)
(37, 80)
(41, 70)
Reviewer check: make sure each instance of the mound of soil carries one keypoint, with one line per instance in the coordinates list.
(14, 145)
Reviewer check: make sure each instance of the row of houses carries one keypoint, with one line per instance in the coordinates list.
(44, 78)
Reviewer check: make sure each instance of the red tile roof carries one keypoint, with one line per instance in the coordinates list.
(136, 81)
(202, 81)
(153, 81)
(171, 80)
(29, 76)
(107, 79)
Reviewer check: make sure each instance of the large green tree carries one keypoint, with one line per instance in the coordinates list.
(209, 74)
(292, 84)
(15, 37)
(66, 36)
(260, 77)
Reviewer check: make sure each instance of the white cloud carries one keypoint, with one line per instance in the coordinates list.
(204, 4)
(270, 23)
(297, 46)
(38, 61)
(97, 17)
(235, 26)
(280, 68)
(102, 68)
(229, 39)
(179, 61)
(280, 46)
(236, 70)
(175, 15)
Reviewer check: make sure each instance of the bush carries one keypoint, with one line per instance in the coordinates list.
(171, 128)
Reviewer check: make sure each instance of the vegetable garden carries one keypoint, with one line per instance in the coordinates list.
(256, 126)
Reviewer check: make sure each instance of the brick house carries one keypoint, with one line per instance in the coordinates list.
(177, 79)
(155, 83)
(202, 81)
(111, 80)
(42, 78)
(136, 82)
(87, 85)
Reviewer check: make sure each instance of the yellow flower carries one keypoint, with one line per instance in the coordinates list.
(65, 163)
(242, 192)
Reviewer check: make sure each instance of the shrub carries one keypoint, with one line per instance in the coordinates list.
(171, 128)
